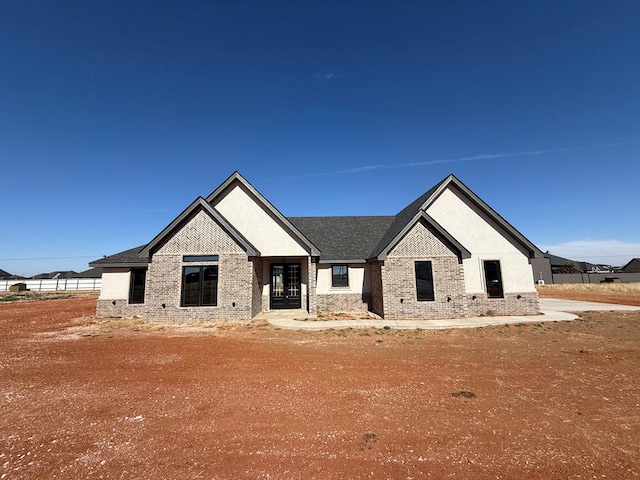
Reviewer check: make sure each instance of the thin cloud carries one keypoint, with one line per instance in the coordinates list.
(326, 77)
(472, 158)
(488, 156)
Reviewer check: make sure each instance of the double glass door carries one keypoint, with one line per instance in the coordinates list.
(285, 285)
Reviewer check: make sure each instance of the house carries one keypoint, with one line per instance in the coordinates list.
(233, 255)
(8, 276)
(633, 266)
(55, 275)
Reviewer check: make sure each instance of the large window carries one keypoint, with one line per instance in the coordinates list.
(199, 286)
(424, 282)
(136, 285)
(339, 276)
(493, 279)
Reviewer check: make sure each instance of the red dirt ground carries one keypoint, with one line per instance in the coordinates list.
(83, 398)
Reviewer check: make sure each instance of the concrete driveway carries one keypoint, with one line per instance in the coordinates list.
(551, 309)
(561, 305)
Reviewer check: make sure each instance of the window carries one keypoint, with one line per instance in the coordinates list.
(424, 282)
(339, 276)
(136, 285)
(493, 279)
(200, 258)
(199, 286)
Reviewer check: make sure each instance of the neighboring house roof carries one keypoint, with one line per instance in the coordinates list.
(558, 262)
(55, 275)
(343, 238)
(6, 275)
(91, 273)
(632, 266)
(128, 258)
(200, 203)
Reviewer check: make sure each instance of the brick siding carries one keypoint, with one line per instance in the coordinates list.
(343, 302)
(479, 305)
(399, 282)
(238, 278)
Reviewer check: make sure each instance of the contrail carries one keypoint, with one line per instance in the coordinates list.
(486, 156)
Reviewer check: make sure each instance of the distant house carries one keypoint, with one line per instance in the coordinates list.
(8, 276)
(55, 275)
(564, 265)
(633, 266)
(233, 255)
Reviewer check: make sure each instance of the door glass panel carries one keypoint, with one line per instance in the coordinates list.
(277, 281)
(293, 288)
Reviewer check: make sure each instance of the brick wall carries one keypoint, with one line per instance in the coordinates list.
(257, 284)
(343, 302)
(525, 303)
(399, 287)
(399, 282)
(312, 273)
(237, 277)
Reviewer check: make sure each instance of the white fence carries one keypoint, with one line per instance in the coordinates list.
(55, 285)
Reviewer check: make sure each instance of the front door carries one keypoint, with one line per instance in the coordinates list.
(285, 285)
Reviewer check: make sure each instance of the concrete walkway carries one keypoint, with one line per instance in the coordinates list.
(551, 309)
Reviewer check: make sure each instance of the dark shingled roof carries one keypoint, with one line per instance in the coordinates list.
(91, 273)
(343, 238)
(402, 219)
(128, 257)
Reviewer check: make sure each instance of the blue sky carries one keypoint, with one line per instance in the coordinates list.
(115, 115)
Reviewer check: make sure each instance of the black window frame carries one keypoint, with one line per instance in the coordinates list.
(205, 298)
(137, 285)
(493, 279)
(343, 278)
(424, 294)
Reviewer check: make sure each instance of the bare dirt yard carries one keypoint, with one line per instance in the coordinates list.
(89, 398)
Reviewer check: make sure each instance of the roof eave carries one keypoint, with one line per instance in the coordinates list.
(119, 264)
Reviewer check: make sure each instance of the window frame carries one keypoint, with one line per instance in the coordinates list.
(202, 293)
(334, 276)
(135, 297)
(499, 279)
(430, 295)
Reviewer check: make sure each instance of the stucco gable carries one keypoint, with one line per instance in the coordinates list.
(258, 220)
(422, 205)
(453, 185)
